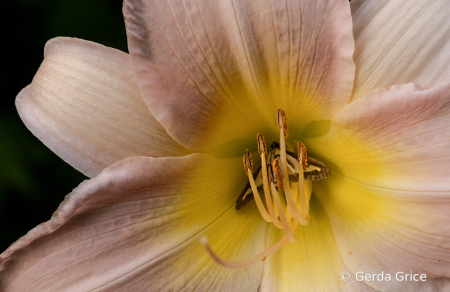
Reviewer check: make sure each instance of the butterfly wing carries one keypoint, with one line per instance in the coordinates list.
(316, 170)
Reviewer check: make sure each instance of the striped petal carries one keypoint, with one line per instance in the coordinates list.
(400, 41)
(216, 71)
(313, 263)
(136, 227)
(389, 194)
(85, 105)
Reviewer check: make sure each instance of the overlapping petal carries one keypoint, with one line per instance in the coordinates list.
(400, 41)
(85, 105)
(313, 263)
(388, 231)
(215, 71)
(388, 197)
(141, 219)
(393, 138)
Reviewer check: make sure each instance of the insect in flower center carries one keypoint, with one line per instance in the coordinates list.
(284, 182)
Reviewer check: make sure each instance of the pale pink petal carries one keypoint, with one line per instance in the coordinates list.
(354, 284)
(396, 138)
(388, 197)
(136, 227)
(216, 71)
(313, 263)
(381, 230)
(85, 105)
(400, 41)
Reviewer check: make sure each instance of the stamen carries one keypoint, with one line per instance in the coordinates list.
(284, 220)
(288, 210)
(276, 196)
(248, 162)
(270, 176)
(292, 207)
(282, 124)
(301, 181)
(278, 173)
(283, 210)
(302, 155)
(262, 148)
(279, 176)
(308, 192)
(260, 257)
(248, 165)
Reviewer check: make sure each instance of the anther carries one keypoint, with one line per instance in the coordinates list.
(248, 162)
(270, 173)
(284, 210)
(302, 155)
(278, 173)
(262, 148)
(282, 124)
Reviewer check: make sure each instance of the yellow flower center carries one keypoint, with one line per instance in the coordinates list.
(286, 191)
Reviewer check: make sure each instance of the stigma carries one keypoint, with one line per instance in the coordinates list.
(281, 189)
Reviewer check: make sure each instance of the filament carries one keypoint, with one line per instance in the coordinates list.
(259, 203)
(248, 262)
(263, 154)
(286, 227)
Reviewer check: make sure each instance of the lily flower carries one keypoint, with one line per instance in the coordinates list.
(362, 87)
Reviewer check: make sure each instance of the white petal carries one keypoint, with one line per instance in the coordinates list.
(85, 105)
(395, 138)
(381, 230)
(400, 41)
(388, 195)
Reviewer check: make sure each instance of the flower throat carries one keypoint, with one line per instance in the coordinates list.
(285, 180)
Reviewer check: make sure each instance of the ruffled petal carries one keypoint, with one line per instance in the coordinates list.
(389, 194)
(213, 71)
(400, 41)
(136, 227)
(85, 105)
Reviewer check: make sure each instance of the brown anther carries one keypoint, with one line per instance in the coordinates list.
(281, 122)
(270, 175)
(302, 155)
(248, 162)
(277, 171)
(262, 148)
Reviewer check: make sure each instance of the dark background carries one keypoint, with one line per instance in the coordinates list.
(33, 180)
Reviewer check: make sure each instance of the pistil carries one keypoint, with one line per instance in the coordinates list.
(282, 127)
(248, 262)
